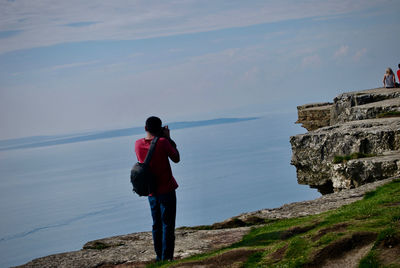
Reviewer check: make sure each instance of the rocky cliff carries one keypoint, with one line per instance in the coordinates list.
(350, 142)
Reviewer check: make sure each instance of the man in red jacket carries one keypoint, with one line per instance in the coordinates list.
(163, 199)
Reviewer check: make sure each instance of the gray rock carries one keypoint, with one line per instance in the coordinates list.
(370, 110)
(360, 171)
(313, 152)
(322, 204)
(315, 115)
(138, 248)
(358, 124)
(353, 105)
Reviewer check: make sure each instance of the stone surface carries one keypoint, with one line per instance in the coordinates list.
(356, 125)
(313, 152)
(312, 207)
(345, 108)
(138, 248)
(358, 105)
(315, 115)
(360, 171)
(373, 110)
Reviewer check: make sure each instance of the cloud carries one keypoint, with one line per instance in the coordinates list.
(81, 24)
(342, 51)
(311, 61)
(114, 98)
(252, 73)
(6, 34)
(359, 54)
(72, 65)
(43, 22)
(135, 55)
(175, 50)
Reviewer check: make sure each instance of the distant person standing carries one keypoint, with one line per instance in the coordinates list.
(163, 199)
(389, 80)
(398, 75)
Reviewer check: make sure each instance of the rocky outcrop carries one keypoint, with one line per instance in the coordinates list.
(364, 104)
(315, 115)
(361, 171)
(357, 126)
(137, 249)
(313, 207)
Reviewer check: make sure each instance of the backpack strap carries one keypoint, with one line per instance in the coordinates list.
(150, 152)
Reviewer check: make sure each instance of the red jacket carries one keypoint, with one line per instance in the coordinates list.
(159, 163)
(398, 74)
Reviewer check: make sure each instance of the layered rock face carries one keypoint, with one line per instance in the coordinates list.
(364, 123)
(315, 115)
(364, 104)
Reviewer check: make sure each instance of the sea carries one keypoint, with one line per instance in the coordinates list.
(59, 192)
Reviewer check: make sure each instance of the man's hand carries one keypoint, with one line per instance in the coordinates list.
(167, 135)
(166, 132)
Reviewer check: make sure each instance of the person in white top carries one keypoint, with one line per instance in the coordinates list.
(388, 79)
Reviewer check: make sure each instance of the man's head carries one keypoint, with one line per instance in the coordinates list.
(398, 65)
(153, 125)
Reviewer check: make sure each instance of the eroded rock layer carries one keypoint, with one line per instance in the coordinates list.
(364, 104)
(362, 124)
(315, 115)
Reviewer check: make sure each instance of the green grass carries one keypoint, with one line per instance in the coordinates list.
(254, 260)
(233, 223)
(328, 238)
(378, 213)
(298, 247)
(369, 261)
(343, 158)
(389, 114)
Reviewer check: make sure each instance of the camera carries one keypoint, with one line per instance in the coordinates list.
(162, 131)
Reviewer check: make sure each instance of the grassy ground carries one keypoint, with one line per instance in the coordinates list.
(389, 114)
(343, 158)
(371, 224)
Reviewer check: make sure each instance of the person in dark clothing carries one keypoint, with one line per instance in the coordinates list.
(163, 200)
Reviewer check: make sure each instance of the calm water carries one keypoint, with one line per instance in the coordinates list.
(56, 198)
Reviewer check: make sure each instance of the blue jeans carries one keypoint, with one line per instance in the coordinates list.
(163, 211)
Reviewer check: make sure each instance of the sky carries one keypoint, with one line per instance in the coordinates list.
(73, 66)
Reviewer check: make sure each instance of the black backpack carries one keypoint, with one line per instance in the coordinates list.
(142, 179)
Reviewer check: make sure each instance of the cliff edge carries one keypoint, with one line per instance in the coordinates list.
(352, 141)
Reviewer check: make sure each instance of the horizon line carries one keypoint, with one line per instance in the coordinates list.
(52, 140)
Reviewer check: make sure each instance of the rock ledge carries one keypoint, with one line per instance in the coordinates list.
(359, 124)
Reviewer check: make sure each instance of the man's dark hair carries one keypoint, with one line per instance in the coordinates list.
(398, 65)
(153, 125)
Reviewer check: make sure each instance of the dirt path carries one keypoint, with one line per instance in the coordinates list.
(350, 259)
